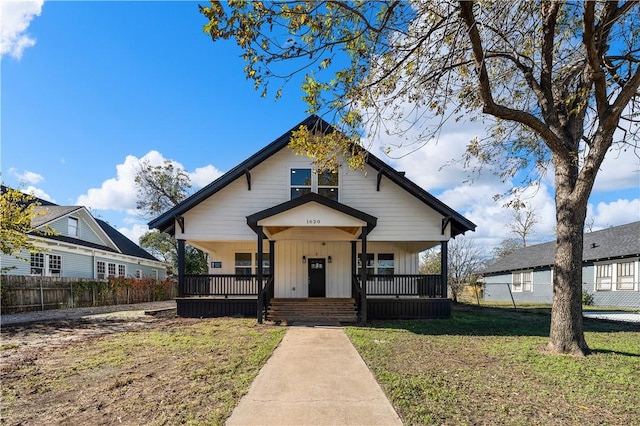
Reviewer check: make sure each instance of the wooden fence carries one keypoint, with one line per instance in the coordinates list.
(35, 293)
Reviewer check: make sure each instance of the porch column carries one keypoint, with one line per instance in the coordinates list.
(363, 278)
(260, 273)
(180, 268)
(272, 264)
(444, 261)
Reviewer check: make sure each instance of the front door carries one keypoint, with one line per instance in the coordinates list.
(317, 278)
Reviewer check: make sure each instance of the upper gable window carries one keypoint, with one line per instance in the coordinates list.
(328, 184)
(300, 182)
(73, 226)
(304, 181)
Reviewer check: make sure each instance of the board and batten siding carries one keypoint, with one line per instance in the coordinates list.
(291, 274)
(401, 216)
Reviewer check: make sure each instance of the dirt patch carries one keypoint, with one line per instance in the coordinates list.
(129, 368)
(21, 343)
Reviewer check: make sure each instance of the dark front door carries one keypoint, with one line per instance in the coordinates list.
(317, 278)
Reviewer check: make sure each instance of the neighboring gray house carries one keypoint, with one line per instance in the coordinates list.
(83, 247)
(610, 270)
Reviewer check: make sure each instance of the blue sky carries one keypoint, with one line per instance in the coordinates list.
(90, 88)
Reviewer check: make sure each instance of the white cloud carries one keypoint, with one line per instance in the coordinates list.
(37, 192)
(15, 17)
(27, 176)
(135, 232)
(203, 176)
(619, 170)
(619, 212)
(119, 193)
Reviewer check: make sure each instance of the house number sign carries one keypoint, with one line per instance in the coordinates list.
(313, 221)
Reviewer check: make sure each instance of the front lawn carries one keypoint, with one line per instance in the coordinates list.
(181, 371)
(487, 366)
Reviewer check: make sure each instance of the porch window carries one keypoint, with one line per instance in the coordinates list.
(72, 223)
(385, 264)
(100, 269)
(122, 271)
(243, 264)
(112, 269)
(266, 265)
(37, 263)
(328, 184)
(626, 273)
(370, 264)
(604, 277)
(300, 180)
(55, 264)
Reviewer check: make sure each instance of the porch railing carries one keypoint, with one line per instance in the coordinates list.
(222, 285)
(405, 285)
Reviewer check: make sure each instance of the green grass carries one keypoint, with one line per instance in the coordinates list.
(488, 366)
(189, 372)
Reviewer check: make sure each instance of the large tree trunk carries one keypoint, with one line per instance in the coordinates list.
(567, 334)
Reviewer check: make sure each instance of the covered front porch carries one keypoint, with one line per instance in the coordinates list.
(314, 247)
(382, 297)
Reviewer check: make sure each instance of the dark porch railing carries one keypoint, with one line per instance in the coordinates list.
(222, 285)
(405, 285)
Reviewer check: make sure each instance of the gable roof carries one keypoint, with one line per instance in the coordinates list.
(253, 219)
(616, 242)
(54, 211)
(51, 213)
(165, 222)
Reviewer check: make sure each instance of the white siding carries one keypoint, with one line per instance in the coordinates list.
(401, 216)
(291, 274)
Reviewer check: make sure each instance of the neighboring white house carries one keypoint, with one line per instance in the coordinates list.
(82, 247)
(275, 221)
(610, 270)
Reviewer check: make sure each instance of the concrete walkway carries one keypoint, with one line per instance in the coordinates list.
(314, 377)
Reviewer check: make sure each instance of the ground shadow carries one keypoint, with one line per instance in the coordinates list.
(469, 320)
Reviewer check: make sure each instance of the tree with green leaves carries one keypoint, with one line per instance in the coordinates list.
(160, 188)
(556, 81)
(18, 210)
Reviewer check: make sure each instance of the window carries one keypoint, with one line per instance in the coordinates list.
(112, 269)
(604, 277)
(37, 263)
(73, 227)
(100, 269)
(527, 281)
(266, 265)
(138, 274)
(522, 281)
(55, 264)
(370, 264)
(385, 264)
(328, 184)
(122, 271)
(626, 273)
(243, 263)
(300, 182)
(154, 272)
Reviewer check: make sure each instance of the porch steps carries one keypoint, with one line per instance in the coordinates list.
(316, 310)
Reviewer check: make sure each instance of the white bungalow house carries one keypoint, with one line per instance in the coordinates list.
(610, 270)
(82, 247)
(278, 231)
